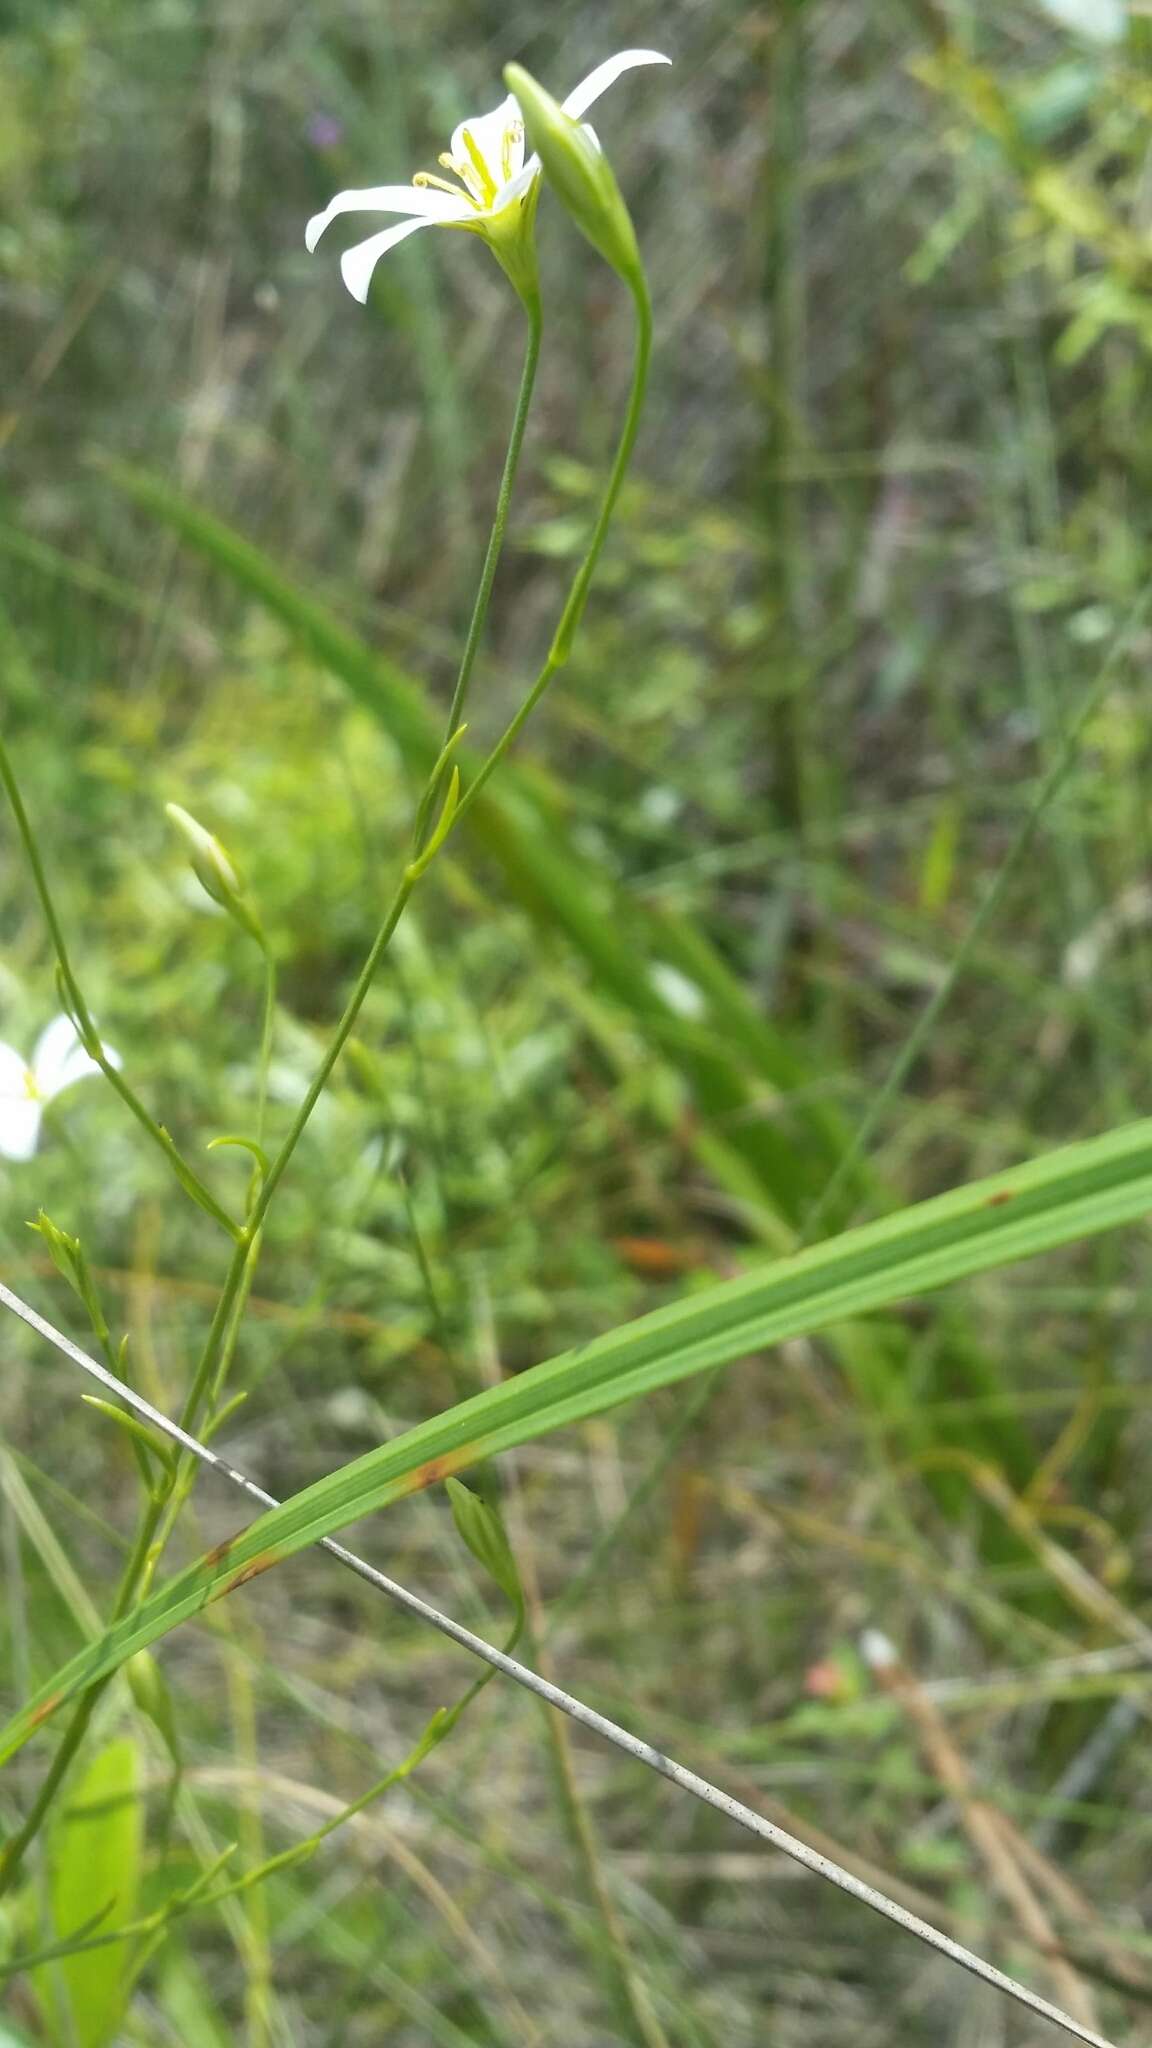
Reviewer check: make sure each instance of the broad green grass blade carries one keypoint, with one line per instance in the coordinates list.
(1071, 1193)
(95, 1868)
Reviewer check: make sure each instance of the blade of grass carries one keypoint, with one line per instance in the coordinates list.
(1064, 1195)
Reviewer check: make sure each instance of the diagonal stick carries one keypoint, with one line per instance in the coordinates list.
(586, 1717)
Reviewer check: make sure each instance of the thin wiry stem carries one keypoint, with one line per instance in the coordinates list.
(586, 1717)
(577, 598)
(492, 554)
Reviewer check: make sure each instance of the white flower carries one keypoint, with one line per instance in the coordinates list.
(496, 193)
(58, 1060)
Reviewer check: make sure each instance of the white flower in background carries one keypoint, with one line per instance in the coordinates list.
(496, 193)
(680, 994)
(1102, 21)
(57, 1061)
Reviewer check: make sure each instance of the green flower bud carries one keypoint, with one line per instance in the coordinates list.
(483, 1532)
(214, 871)
(67, 1255)
(578, 172)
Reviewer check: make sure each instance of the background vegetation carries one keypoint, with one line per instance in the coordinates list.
(770, 953)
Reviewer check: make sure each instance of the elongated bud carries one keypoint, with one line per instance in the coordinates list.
(67, 1255)
(214, 870)
(578, 172)
(483, 1532)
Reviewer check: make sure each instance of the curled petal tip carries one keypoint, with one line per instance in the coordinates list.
(357, 276)
(358, 263)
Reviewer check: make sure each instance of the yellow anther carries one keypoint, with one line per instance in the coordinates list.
(426, 178)
(511, 135)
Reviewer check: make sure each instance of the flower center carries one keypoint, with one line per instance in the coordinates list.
(476, 174)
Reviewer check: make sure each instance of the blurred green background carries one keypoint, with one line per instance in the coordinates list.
(709, 985)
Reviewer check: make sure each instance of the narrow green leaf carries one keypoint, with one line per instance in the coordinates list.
(244, 1145)
(134, 1428)
(1053, 1200)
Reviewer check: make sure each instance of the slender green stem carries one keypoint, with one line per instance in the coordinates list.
(267, 1021)
(558, 655)
(340, 1039)
(189, 1180)
(578, 594)
(203, 1395)
(492, 555)
(408, 880)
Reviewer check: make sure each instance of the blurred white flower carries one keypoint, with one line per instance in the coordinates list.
(58, 1060)
(678, 992)
(495, 194)
(1102, 21)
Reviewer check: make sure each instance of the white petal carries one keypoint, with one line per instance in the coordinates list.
(606, 74)
(13, 1073)
(425, 200)
(60, 1059)
(19, 1115)
(358, 264)
(54, 1056)
(488, 132)
(517, 186)
(19, 1127)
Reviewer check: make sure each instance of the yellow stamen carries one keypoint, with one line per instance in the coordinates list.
(511, 135)
(426, 178)
(484, 175)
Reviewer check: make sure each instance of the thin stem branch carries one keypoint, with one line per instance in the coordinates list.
(492, 554)
(578, 594)
(267, 1022)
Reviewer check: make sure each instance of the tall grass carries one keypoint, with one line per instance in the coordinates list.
(818, 889)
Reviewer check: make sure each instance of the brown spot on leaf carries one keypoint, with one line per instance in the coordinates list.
(47, 1707)
(1001, 1196)
(251, 1571)
(438, 1468)
(220, 1550)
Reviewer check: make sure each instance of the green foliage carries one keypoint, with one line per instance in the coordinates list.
(644, 1034)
